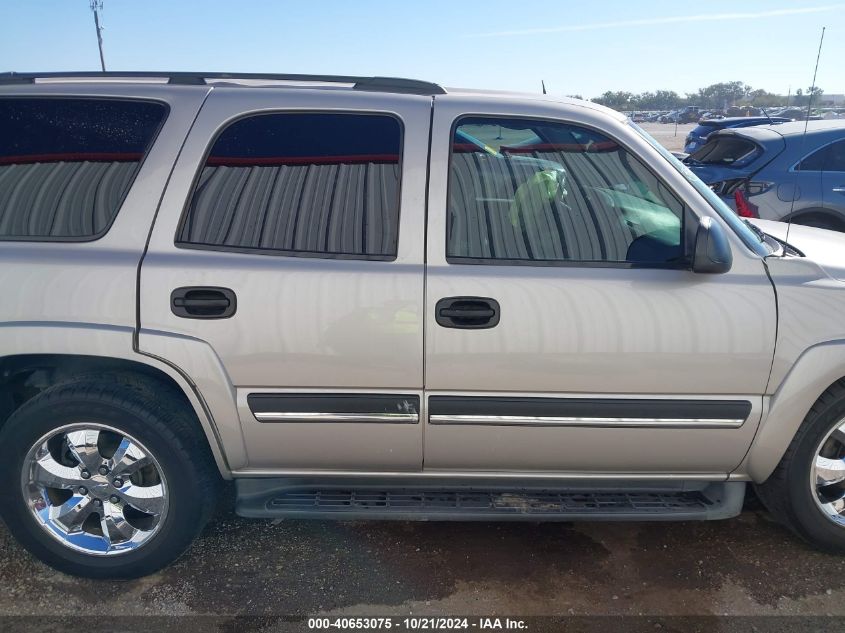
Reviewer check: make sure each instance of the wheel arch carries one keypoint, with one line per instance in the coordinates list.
(819, 213)
(815, 371)
(37, 355)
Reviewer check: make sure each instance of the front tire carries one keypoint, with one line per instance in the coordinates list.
(806, 492)
(104, 479)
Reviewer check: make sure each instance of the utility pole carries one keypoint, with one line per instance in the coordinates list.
(96, 6)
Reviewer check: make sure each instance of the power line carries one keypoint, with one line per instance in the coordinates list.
(96, 7)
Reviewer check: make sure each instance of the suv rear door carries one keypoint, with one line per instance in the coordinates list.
(564, 329)
(280, 244)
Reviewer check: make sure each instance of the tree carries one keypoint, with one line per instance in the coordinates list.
(763, 99)
(715, 96)
(660, 100)
(620, 100)
(721, 95)
(802, 98)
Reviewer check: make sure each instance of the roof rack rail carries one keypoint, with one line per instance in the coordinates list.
(372, 84)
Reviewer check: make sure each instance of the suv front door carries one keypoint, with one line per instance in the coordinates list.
(833, 179)
(565, 331)
(290, 241)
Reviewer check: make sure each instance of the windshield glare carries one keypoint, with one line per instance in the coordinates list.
(749, 237)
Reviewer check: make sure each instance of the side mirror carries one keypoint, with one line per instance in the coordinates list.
(712, 253)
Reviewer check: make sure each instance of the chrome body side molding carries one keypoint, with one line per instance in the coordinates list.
(336, 408)
(310, 416)
(523, 420)
(587, 412)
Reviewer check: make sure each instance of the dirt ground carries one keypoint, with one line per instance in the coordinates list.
(667, 135)
(747, 566)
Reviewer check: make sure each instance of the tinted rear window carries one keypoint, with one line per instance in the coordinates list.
(312, 184)
(828, 158)
(726, 150)
(67, 164)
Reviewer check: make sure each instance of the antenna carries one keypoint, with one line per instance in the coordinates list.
(767, 116)
(543, 83)
(96, 7)
(804, 135)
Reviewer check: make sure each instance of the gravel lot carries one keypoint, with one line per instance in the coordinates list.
(666, 133)
(747, 566)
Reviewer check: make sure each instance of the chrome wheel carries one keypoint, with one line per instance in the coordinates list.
(95, 489)
(827, 474)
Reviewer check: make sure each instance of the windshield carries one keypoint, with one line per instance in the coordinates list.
(750, 237)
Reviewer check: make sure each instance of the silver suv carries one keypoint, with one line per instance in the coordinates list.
(376, 298)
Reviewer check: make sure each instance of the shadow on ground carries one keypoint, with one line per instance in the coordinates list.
(747, 565)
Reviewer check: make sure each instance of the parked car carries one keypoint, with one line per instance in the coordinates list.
(797, 114)
(698, 135)
(831, 113)
(689, 114)
(369, 298)
(669, 117)
(759, 170)
(684, 115)
(744, 111)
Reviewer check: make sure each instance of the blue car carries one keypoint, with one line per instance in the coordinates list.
(791, 172)
(699, 134)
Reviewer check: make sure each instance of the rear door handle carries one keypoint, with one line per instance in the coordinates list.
(469, 313)
(203, 302)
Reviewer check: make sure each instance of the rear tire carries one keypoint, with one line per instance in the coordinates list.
(796, 494)
(89, 523)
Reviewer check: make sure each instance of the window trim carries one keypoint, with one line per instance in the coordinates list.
(147, 149)
(684, 264)
(274, 252)
(794, 169)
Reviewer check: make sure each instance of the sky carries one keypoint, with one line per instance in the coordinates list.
(576, 47)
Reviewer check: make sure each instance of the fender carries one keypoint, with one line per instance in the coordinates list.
(199, 364)
(815, 370)
(212, 403)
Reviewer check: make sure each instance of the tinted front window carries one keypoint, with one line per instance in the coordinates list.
(67, 164)
(726, 150)
(300, 183)
(548, 192)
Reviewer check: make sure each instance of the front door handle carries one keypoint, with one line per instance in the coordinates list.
(839, 189)
(469, 313)
(203, 302)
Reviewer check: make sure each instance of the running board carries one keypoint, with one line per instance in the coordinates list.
(296, 499)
